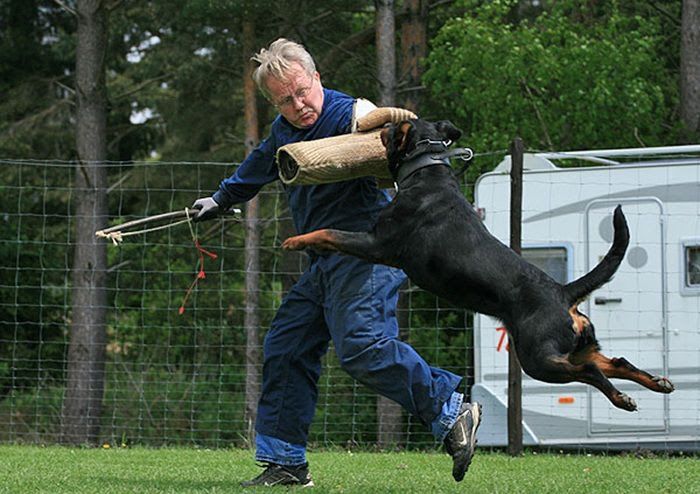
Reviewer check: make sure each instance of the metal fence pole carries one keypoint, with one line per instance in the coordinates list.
(515, 413)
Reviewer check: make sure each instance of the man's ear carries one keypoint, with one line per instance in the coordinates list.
(448, 130)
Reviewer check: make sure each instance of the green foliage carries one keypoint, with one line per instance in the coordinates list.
(184, 61)
(34, 414)
(34, 57)
(557, 83)
(34, 270)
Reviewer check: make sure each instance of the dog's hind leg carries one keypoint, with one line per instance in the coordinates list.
(588, 373)
(359, 244)
(621, 368)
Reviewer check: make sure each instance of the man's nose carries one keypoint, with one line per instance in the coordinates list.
(297, 102)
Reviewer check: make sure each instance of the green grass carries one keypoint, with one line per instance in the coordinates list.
(29, 469)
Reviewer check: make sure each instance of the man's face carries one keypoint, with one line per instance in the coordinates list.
(299, 97)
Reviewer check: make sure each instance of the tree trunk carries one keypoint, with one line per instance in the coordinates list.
(252, 245)
(388, 411)
(386, 52)
(414, 47)
(690, 67)
(82, 405)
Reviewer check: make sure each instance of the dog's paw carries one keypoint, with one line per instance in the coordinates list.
(294, 243)
(663, 384)
(626, 403)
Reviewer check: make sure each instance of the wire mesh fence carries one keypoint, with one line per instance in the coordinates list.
(171, 377)
(174, 377)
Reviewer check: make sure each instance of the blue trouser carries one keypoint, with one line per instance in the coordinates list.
(353, 303)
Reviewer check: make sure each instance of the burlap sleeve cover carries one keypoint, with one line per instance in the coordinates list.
(344, 157)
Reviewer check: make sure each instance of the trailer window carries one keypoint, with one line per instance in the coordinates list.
(692, 266)
(551, 260)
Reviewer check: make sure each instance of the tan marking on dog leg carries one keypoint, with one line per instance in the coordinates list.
(620, 368)
(580, 321)
(318, 238)
(585, 372)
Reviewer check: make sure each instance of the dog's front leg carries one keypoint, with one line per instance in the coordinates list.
(359, 244)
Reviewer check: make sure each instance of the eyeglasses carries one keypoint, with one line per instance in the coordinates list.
(300, 94)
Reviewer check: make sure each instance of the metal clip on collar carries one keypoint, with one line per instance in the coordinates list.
(465, 154)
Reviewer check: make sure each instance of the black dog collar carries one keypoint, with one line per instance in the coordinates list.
(411, 166)
(427, 146)
(429, 153)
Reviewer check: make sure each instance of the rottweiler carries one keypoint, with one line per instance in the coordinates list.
(436, 236)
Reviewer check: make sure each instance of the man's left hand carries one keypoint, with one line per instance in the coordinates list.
(208, 209)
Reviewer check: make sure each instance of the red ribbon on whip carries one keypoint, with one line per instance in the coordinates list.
(200, 275)
(201, 251)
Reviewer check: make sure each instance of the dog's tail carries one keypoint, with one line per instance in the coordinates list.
(580, 288)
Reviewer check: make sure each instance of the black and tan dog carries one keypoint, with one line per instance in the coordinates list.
(432, 233)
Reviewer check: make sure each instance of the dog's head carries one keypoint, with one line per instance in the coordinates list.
(400, 139)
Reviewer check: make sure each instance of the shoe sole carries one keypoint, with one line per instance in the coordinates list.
(310, 483)
(290, 481)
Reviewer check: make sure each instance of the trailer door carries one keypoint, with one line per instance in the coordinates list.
(629, 312)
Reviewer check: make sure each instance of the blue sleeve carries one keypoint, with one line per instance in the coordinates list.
(344, 116)
(258, 169)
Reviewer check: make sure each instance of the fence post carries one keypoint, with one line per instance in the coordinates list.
(515, 413)
(253, 350)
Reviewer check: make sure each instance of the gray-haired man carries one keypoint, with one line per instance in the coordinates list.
(338, 298)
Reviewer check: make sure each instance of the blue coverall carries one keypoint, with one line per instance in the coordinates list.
(338, 297)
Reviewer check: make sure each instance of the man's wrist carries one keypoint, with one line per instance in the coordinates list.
(218, 198)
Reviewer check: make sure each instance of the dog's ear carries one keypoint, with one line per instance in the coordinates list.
(385, 134)
(448, 130)
(394, 136)
(402, 131)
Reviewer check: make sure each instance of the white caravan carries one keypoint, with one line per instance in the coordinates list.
(649, 312)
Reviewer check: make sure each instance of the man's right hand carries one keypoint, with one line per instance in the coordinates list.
(207, 207)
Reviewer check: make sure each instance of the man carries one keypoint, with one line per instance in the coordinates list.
(338, 297)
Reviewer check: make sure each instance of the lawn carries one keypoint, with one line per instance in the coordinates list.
(29, 469)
